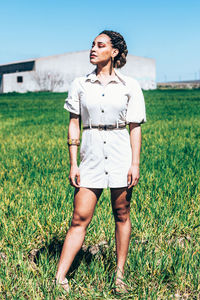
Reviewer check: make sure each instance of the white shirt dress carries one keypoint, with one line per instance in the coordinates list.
(105, 155)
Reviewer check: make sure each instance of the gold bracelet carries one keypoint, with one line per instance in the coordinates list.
(75, 142)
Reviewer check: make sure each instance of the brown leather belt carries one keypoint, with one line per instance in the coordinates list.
(105, 127)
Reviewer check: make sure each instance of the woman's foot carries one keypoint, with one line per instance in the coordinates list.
(120, 286)
(63, 283)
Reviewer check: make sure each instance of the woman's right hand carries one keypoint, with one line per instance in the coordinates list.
(74, 176)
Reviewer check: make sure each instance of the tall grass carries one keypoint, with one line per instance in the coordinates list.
(36, 203)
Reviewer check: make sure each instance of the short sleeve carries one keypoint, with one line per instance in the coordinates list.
(136, 112)
(72, 103)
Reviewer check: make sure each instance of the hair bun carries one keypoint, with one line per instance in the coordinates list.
(119, 43)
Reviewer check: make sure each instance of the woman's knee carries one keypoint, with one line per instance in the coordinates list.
(122, 214)
(80, 220)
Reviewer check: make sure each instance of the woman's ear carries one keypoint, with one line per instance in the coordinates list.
(115, 52)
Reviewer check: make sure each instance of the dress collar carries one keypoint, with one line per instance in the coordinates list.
(119, 77)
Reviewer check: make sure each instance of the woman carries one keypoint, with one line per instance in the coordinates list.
(106, 101)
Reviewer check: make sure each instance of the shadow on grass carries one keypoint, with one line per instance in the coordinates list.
(87, 254)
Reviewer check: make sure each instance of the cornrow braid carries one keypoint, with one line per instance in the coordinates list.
(119, 43)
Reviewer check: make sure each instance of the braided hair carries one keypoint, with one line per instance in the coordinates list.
(119, 43)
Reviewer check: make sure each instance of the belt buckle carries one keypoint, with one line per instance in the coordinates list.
(102, 127)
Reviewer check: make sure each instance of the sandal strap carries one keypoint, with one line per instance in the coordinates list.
(65, 281)
(121, 281)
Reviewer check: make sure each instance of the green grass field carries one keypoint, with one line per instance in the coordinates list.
(36, 203)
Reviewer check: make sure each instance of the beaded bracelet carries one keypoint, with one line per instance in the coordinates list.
(75, 142)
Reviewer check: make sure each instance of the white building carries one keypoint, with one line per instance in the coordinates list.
(54, 73)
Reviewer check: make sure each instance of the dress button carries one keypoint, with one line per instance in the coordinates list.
(102, 111)
(104, 142)
(102, 94)
(106, 173)
(106, 157)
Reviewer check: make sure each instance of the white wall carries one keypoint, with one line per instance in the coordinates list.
(10, 83)
(77, 64)
(143, 69)
(56, 72)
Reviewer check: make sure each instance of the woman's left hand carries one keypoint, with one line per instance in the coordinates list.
(133, 176)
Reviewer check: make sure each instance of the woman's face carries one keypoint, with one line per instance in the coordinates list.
(102, 50)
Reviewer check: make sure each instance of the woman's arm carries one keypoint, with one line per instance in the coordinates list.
(135, 140)
(74, 133)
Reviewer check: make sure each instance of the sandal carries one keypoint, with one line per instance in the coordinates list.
(64, 284)
(120, 286)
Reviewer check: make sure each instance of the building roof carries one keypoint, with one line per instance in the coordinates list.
(17, 67)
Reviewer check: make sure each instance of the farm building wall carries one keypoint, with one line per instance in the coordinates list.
(56, 72)
(11, 82)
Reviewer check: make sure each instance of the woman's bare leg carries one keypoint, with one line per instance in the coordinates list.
(84, 204)
(120, 198)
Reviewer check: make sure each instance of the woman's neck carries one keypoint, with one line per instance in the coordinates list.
(104, 71)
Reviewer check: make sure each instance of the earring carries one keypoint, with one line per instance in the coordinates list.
(111, 65)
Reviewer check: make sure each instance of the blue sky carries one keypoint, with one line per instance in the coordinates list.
(167, 31)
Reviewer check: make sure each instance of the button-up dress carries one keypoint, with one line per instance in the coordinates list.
(105, 154)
